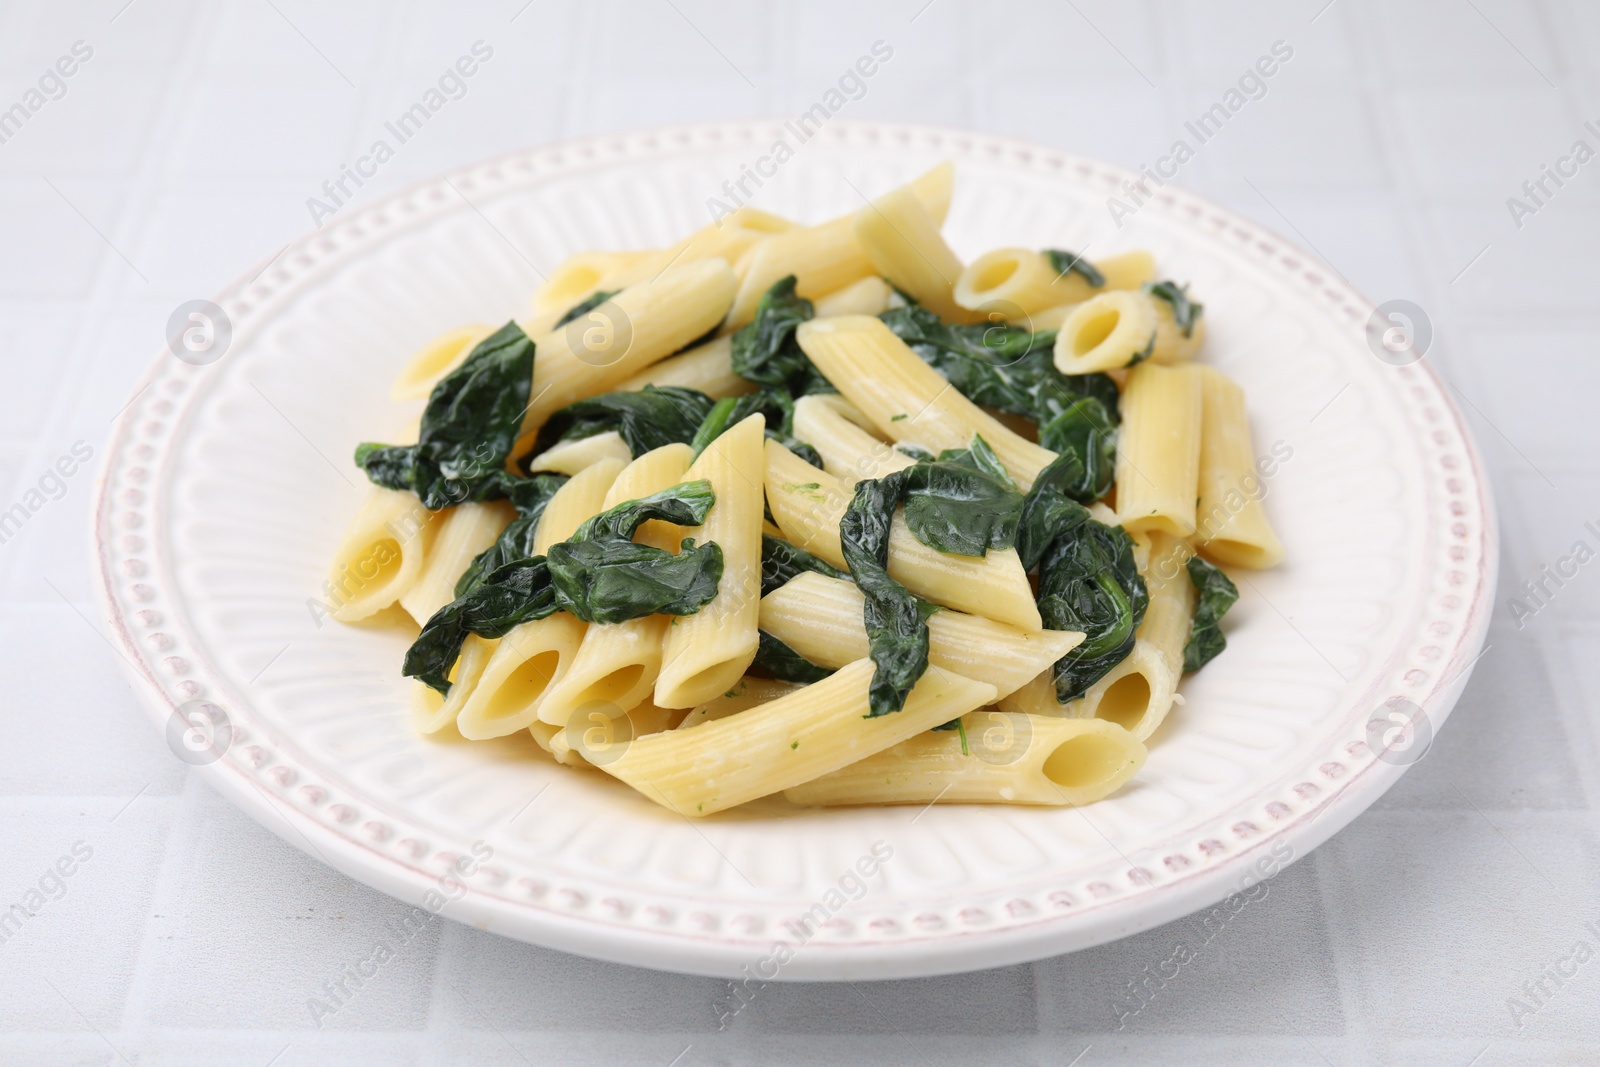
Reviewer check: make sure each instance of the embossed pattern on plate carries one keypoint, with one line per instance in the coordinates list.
(227, 486)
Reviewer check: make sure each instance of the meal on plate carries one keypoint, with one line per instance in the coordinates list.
(820, 511)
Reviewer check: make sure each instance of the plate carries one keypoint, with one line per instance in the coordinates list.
(228, 482)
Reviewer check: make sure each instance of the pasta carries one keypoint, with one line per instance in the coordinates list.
(818, 511)
(1019, 759)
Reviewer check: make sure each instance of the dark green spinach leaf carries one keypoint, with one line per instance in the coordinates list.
(648, 419)
(584, 306)
(897, 628)
(784, 663)
(529, 496)
(1185, 312)
(1215, 593)
(781, 562)
(1062, 262)
(1088, 582)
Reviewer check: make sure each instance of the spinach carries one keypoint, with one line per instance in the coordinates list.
(766, 352)
(1088, 582)
(511, 595)
(584, 306)
(956, 506)
(998, 365)
(1084, 429)
(1062, 262)
(896, 622)
(781, 562)
(1215, 593)
(529, 496)
(648, 419)
(980, 457)
(1185, 312)
(601, 575)
(469, 427)
(1051, 509)
(784, 663)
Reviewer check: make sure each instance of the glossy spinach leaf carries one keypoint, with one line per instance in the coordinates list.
(782, 662)
(601, 575)
(1088, 582)
(897, 628)
(511, 595)
(980, 457)
(781, 562)
(955, 506)
(1085, 430)
(469, 427)
(766, 352)
(1215, 593)
(529, 496)
(648, 419)
(1064, 262)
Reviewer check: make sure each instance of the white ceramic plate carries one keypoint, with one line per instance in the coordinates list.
(227, 486)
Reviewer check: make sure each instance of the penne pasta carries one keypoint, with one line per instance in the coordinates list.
(831, 425)
(616, 666)
(903, 242)
(434, 360)
(999, 758)
(907, 400)
(869, 296)
(463, 532)
(750, 692)
(707, 652)
(523, 667)
(1114, 329)
(821, 618)
(1231, 526)
(431, 712)
(581, 497)
(1158, 449)
(570, 457)
(642, 324)
(580, 275)
(381, 555)
(808, 504)
(791, 740)
(707, 367)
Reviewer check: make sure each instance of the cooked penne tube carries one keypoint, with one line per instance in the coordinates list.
(434, 360)
(707, 367)
(431, 712)
(747, 693)
(1231, 524)
(831, 425)
(570, 457)
(381, 555)
(524, 666)
(824, 258)
(580, 275)
(1138, 692)
(821, 618)
(808, 504)
(463, 531)
(729, 238)
(581, 497)
(643, 323)
(595, 738)
(907, 400)
(1158, 449)
(1003, 758)
(1114, 329)
(791, 740)
(904, 244)
(1010, 281)
(1172, 345)
(1050, 318)
(707, 652)
(617, 664)
(869, 296)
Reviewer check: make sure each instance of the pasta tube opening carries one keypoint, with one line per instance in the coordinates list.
(1111, 330)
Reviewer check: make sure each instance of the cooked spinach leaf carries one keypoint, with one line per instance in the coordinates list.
(1084, 429)
(784, 663)
(584, 306)
(1185, 312)
(648, 419)
(601, 575)
(1062, 261)
(1088, 582)
(781, 562)
(897, 628)
(766, 352)
(1051, 509)
(956, 506)
(529, 496)
(469, 427)
(518, 592)
(980, 457)
(1215, 593)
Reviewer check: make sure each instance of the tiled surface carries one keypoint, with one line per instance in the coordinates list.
(183, 152)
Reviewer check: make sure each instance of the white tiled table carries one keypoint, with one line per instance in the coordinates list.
(182, 153)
